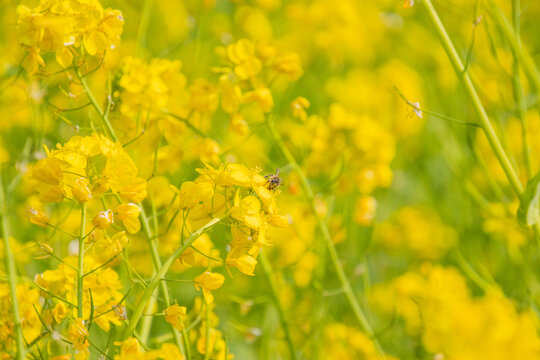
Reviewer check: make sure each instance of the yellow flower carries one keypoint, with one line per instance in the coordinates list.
(242, 55)
(247, 210)
(262, 96)
(191, 194)
(244, 263)
(299, 106)
(366, 207)
(176, 315)
(130, 346)
(37, 217)
(129, 215)
(59, 312)
(289, 64)
(48, 171)
(60, 27)
(81, 191)
(228, 175)
(209, 281)
(111, 246)
(78, 334)
(103, 219)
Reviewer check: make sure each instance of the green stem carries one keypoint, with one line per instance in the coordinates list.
(104, 115)
(344, 281)
(519, 95)
(80, 268)
(156, 262)
(156, 279)
(207, 331)
(11, 273)
(529, 67)
(143, 26)
(465, 79)
(268, 272)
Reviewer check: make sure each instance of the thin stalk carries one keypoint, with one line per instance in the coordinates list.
(104, 115)
(529, 67)
(143, 26)
(268, 272)
(336, 262)
(11, 274)
(207, 331)
(465, 79)
(156, 279)
(519, 95)
(156, 262)
(80, 268)
(467, 83)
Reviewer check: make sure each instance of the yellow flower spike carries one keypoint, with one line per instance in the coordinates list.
(262, 96)
(299, 106)
(59, 27)
(37, 217)
(81, 192)
(208, 281)
(129, 215)
(176, 315)
(103, 219)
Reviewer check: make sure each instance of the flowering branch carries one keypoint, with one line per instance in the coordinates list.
(137, 313)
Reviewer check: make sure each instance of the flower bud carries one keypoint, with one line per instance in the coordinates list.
(37, 217)
(81, 191)
(103, 219)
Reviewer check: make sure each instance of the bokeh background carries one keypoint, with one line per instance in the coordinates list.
(417, 205)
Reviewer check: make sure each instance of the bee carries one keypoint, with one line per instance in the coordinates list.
(273, 181)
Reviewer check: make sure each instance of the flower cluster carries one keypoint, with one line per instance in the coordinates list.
(65, 27)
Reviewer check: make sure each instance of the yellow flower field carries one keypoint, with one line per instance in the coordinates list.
(270, 179)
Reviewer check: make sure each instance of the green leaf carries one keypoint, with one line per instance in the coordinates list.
(529, 208)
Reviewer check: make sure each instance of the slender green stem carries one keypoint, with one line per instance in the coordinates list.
(465, 79)
(467, 83)
(143, 26)
(338, 267)
(156, 279)
(529, 67)
(268, 273)
(104, 115)
(156, 262)
(80, 268)
(207, 331)
(11, 273)
(518, 93)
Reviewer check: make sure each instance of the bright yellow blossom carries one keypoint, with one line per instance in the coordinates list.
(208, 281)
